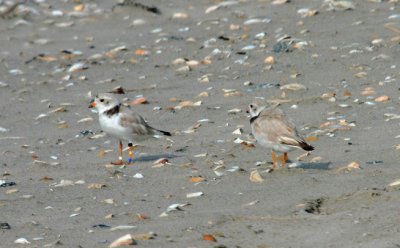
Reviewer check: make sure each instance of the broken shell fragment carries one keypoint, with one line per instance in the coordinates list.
(238, 131)
(78, 67)
(279, 2)
(180, 15)
(203, 94)
(383, 98)
(186, 104)
(269, 60)
(368, 91)
(197, 179)
(340, 5)
(22, 241)
(255, 177)
(234, 111)
(160, 163)
(395, 183)
(349, 167)
(96, 186)
(209, 237)
(123, 241)
(193, 195)
(139, 100)
(293, 87)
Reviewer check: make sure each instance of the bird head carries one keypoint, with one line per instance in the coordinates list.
(103, 102)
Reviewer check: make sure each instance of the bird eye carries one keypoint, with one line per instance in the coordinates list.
(101, 100)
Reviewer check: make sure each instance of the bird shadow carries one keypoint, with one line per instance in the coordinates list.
(314, 166)
(150, 158)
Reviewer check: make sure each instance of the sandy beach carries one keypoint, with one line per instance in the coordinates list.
(331, 65)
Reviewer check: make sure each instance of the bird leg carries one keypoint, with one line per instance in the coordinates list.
(130, 159)
(120, 161)
(285, 158)
(274, 160)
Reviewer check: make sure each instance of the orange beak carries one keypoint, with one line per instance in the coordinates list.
(92, 104)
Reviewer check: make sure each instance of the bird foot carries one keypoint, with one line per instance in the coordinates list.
(119, 162)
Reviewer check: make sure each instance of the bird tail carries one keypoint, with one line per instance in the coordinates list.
(163, 132)
(305, 146)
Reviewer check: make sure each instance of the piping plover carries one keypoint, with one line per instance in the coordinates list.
(272, 129)
(121, 122)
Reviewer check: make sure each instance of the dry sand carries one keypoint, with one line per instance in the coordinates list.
(319, 203)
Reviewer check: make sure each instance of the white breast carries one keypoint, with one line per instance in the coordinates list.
(111, 126)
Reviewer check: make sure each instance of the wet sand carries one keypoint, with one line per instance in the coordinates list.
(318, 202)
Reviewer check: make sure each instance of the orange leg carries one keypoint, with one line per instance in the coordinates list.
(285, 158)
(120, 161)
(274, 160)
(130, 160)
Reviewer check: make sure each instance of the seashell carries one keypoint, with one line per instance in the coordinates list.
(256, 21)
(209, 237)
(138, 176)
(192, 63)
(64, 24)
(217, 6)
(361, 74)
(23, 241)
(354, 165)
(96, 186)
(269, 60)
(234, 93)
(178, 61)
(79, 7)
(123, 241)
(180, 15)
(395, 183)
(233, 27)
(139, 100)
(203, 94)
(64, 183)
(306, 12)
(138, 22)
(200, 155)
(160, 162)
(234, 111)
(279, 2)
(78, 67)
(183, 69)
(293, 87)
(144, 236)
(193, 195)
(303, 156)
(87, 119)
(46, 58)
(368, 91)
(197, 179)
(203, 79)
(57, 110)
(11, 191)
(97, 136)
(383, 98)
(142, 52)
(340, 5)
(109, 201)
(122, 227)
(316, 159)
(255, 177)
(186, 104)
